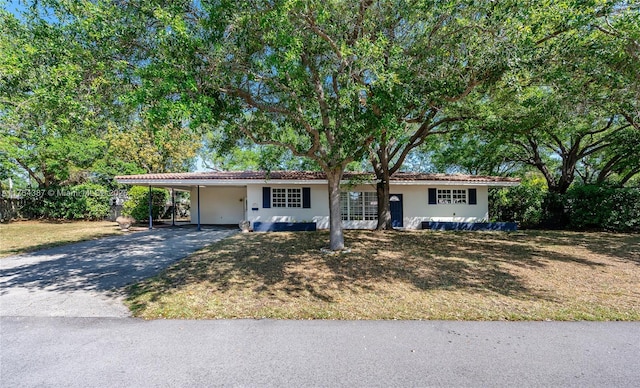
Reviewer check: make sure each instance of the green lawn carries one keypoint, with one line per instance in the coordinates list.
(26, 236)
(403, 275)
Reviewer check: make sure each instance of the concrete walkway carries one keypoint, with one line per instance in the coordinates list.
(84, 279)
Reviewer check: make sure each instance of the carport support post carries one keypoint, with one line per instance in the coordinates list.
(198, 207)
(173, 207)
(150, 212)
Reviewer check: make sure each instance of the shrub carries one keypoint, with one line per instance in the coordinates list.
(555, 214)
(87, 201)
(522, 204)
(137, 205)
(604, 207)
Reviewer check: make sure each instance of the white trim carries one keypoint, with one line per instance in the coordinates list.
(244, 182)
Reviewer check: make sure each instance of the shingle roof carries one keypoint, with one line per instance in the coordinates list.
(310, 175)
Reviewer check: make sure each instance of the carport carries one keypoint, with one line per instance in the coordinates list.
(225, 200)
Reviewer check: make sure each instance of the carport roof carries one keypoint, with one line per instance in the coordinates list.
(309, 177)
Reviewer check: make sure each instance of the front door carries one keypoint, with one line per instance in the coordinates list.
(395, 205)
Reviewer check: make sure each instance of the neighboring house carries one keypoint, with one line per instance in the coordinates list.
(294, 196)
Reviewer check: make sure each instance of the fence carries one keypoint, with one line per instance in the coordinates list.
(10, 208)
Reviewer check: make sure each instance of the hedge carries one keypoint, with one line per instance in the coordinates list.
(137, 204)
(602, 207)
(88, 201)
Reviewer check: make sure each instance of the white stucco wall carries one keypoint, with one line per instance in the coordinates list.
(319, 211)
(415, 207)
(219, 205)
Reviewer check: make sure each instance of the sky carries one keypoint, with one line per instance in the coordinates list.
(13, 6)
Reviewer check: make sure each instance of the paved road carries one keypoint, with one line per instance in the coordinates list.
(83, 279)
(99, 352)
(95, 344)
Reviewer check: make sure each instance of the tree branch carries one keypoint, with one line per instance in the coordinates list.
(309, 153)
(439, 23)
(472, 85)
(552, 35)
(248, 98)
(604, 30)
(357, 27)
(631, 121)
(317, 85)
(324, 36)
(609, 123)
(30, 172)
(607, 168)
(630, 175)
(537, 162)
(419, 138)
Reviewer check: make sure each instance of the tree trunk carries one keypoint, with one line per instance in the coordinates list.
(380, 163)
(336, 236)
(384, 212)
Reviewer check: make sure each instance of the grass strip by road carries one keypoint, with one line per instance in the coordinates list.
(27, 236)
(530, 275)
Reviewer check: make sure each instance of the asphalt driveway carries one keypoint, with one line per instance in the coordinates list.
(85, 279)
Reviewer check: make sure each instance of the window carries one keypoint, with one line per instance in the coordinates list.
(359, 206)
(459, 196)
(444, 196)
(286, 197)
(448, 196)
(370, 206)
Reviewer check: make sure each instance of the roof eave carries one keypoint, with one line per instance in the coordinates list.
(245, 182)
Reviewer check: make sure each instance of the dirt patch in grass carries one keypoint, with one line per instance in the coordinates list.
(403, 275)
(27, 236)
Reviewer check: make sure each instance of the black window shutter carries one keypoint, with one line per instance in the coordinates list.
(306, 197)
(473, 196)
(266, 197)
(433, 195)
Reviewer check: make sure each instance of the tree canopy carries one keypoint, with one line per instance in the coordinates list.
(93, 89)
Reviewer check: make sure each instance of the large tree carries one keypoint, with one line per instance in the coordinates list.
(51, 99)
(560, 132)
(566, 109)
(282, 73)
(294, 68)
(76, 102)
(432, 57)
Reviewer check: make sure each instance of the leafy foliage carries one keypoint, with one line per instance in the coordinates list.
(604, 207)
(155, 148)
(87, 201)
(137, 203)
(591, 206)
(51, 100)
(74, 104)
(564, 108)
(521, 203)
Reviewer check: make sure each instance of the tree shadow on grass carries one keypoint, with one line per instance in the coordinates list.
(619, 246)
(257, 262)
(291, 265)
